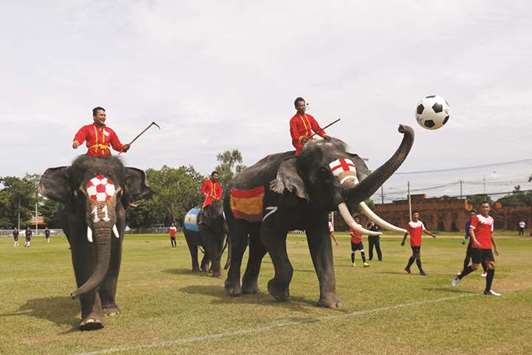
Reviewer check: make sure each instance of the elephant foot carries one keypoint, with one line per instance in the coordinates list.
(90, 323)
(250, 288)
(279, 292)
(111, 310)
(217, 274)
(195, 269)
(330, 301)
(232, 290)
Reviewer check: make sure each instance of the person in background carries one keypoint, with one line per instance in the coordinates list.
(415, 229)
(521, 227)
(356, 244)
(172, 231)
(28, 234)
(15, 237)
(47, 235)
(374, 241)
(331, 231)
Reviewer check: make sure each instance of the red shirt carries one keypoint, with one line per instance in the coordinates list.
(356, 237)
(98, 140)
(212, 190)
(301, 126)
(415, 229)
(172, 231)
(483, 228)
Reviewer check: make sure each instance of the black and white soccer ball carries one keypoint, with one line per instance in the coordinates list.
(432, 112)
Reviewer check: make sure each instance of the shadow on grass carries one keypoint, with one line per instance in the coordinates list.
(61, 310)
(449, 290)
(299, 304)
(186, 272)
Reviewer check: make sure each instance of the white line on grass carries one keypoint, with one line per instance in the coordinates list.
(271, 326)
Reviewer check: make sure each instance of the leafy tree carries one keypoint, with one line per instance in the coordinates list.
(176, 190)
(230, 164)
(517, 199)
(476, 200)
(17, 194)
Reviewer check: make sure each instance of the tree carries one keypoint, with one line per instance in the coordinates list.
(176, 190)
(17, 194)
(476, 200)
(230, 165)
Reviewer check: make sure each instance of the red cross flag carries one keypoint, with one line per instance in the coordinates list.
(344, 169)
(100, 188)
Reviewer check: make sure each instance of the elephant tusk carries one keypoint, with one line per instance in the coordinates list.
(378, 220)
(115, 231)
(89, 234)
(348, 219)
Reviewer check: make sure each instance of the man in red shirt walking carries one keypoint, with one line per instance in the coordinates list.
(302, 126)
(172, 231)
(415, 229)
(482, 246)
(356, 244)
(98, 137)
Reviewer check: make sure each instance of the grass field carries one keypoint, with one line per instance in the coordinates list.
(166, 309)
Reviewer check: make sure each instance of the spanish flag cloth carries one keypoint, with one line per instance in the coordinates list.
(247, 204)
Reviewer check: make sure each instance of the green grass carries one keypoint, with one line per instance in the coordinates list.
(165, 307)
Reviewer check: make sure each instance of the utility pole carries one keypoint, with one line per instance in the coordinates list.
(484, 183)
(461, 189)
(409, 202)
(18, 215)
(382, 194)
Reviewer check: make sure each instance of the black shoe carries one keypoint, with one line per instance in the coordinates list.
(423, 273)
(407, 270)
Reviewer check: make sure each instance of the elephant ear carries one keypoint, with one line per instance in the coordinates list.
(137, 187)
(288, 179)
(360, 165)
(54, 184)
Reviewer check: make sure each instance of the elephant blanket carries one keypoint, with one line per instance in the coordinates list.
(191, 220)
(247, 204)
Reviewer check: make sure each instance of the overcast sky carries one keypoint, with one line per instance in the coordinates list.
(219, 75)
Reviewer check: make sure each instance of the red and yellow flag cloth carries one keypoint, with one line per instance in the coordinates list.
(247, 204)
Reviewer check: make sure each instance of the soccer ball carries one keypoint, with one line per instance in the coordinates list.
(432, 112)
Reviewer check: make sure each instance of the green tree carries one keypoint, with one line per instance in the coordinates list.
(230, 164)
(176, 190)
(17, 194)
(476, 200)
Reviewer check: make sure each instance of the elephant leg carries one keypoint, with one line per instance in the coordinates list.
(204, 263)
(275, 244)
(322, 258)
(192, 244)
(256, 253)
(109, 284)
(239, 240)
(213, 250)
(91, 308)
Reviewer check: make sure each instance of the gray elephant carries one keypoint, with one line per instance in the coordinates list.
(283, 192)
(205, 228)
(95, 193)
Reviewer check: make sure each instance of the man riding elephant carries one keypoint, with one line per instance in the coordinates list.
(211, 189)
(98, 136)
(302, 125)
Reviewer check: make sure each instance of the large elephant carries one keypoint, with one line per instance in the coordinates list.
(95, 193)
(283, 192)
(208, 232)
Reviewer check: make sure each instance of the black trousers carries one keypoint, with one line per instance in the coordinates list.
(375, 242)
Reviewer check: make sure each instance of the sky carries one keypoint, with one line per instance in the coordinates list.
(223, 75)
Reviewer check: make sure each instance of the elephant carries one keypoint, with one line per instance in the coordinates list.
(284, 192)
(208, 234)
(95, 193)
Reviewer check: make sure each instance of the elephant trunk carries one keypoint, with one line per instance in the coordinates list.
(102, 245)
(374, 181)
